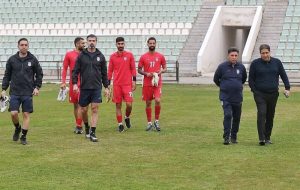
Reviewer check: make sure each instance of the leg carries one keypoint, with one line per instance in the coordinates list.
(261, 105)
(271, 105)
(157, 113)
(236, 117)
(227, 108)
(78, 119)
(15, 120)
(127, 114)
(149, 114)
(119, 116)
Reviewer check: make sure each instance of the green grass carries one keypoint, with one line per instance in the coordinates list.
(187, 154)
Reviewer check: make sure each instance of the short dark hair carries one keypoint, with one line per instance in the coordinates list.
(264, 46)
(91, 36)
(233, 49)
(151, 38)
(120, 39)
(77, 40)
(22, 39)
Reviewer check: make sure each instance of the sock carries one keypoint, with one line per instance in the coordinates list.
(78, 122)
(119, 118)
(148, 113)
(17, 125)
(157, 112)
(128, 112)
(86, 124)
(93, 129)
(120, 124)
(24, 132)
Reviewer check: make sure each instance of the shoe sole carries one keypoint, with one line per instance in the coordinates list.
(94, 140)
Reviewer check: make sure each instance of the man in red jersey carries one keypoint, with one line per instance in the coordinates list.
(122, 70)
(150, 63)
(69, 62)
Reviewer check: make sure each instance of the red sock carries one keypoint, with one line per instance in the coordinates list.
(148, 113)
(157, 112)
(128, 112)
(78, 122)
(119, 118)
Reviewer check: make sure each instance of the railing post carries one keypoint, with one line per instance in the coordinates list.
(177, 71)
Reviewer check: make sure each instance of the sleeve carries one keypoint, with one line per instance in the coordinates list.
(217, 76)
(284, 76)
(104, 73)
(66, 64)
(141, 62)
(76, 70)
(251, 79)
(163, 62)
(132, 66)
(38, 75)
(244, 77)
(110, 68)
(7, 76)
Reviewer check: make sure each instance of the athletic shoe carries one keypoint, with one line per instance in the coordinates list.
(87, 132)
(156, 125)
(78, 130)
(269, 142)
(93, 137)
(23, 140)
(226, 141)
(127, 122)
(234, 141)
(4, 101)
(262, 143)
(16, 135)
(121, 128)
(149, 126)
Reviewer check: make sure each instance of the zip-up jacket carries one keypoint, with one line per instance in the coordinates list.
(230, 78)
(92, 69)
(22, 75)
(264, 76)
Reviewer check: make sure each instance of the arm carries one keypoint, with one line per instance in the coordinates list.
(110, 69)
(140, 69)
(133, 72)
(7, 76)
(76, 70)
(251, 79)
(217, 76)
(66, 64)
(244, 76)
(163, 65)
(38, 75)
(284, 77)
(104, 73)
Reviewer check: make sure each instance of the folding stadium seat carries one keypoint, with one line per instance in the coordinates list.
(133, 25)
(153, 31)
(185, 32)
(121, 31)
(106, 32)
(145, 31)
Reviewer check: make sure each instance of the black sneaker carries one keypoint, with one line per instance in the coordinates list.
(149, 126)
(269, 142)
(87, 132)
(23, 140)
(127, 122)
(121, 128)
(78, 130)
(226, 141)
(16, 135)
(262, 143)
(156, 125)
(93, 137)
(234, 141)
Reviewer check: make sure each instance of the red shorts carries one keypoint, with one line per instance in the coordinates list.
(73, 96)
(151, 92)
(122, 92)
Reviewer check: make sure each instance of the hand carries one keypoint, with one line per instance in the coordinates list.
(75, 88)
(286, 93)
(63, 86)
(149, 74)
(35, 92)
(3, 93)
(133, 85)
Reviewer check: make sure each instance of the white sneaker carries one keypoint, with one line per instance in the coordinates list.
(4, 103)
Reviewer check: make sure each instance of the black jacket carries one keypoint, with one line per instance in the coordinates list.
(22, 75)
(92, 69)
(230, 79)
(264, 76)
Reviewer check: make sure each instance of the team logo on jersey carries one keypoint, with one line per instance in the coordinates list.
(125, 58)
(156, 59)
(98, 58)
(237, 71)
(29, 64)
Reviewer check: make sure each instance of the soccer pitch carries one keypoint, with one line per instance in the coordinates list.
(187, 154)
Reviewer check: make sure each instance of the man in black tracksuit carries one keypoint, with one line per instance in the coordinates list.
(230, 77)
(91, 65)
(24, 76)
(264, 81)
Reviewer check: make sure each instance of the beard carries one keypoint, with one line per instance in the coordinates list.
(151, 48)
(91, 46)
(120, 48)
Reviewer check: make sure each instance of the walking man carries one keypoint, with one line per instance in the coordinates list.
(121, 70)
(230, 77)
(24, 75)
(91, 65)
(264, 81)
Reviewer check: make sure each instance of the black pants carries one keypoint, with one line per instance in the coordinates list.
(266, 104)
(232, 116)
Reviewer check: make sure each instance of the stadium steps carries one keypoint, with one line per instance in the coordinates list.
(188, 56)
(271, 27)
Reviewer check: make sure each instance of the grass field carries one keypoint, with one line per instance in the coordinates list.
(187, 154)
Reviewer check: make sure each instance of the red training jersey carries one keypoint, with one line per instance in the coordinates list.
(69, 61)
(121, 68)
(150, 63)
